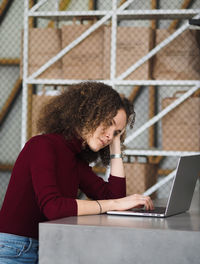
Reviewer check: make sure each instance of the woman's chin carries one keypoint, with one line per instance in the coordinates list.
(94, 148)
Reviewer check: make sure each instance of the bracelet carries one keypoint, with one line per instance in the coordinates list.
(99, 206)
(115, 156)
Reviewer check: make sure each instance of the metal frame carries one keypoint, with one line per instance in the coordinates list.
(128, 14)
(163, 113)
(114, 14)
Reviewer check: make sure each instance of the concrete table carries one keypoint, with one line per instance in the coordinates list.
(108, 239)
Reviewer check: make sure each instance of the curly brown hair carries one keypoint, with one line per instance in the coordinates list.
(80, 109)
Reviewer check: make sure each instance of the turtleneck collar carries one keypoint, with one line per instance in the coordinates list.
(75, 144)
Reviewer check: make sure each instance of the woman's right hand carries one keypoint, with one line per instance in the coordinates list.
(86, 207)
(133, 201)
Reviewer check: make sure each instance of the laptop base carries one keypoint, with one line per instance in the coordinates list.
(157, 212)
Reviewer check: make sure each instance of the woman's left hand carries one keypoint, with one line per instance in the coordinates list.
(115, 146)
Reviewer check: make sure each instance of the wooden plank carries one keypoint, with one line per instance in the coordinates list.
(29, 111)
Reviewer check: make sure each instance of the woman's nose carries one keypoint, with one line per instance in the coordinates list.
(109, 134)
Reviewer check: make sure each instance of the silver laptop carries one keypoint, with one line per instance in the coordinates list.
(187, 172)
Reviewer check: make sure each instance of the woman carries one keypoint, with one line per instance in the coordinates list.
(85, 123)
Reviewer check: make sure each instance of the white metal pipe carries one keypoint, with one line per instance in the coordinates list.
(160, 183)
(58, 14)
(134, 13)
(159, 12)
(145, 152)
(38, 5)
(113, 41)
(107, 173)
(118, 82)
(162, 113)
(157, 82)
(57, 5)
(25, 73)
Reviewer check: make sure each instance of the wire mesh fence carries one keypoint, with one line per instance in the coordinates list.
(104, 54)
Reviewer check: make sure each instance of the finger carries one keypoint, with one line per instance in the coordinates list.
(149, 203)
(122, 132)
(146, 203)
(142, 200)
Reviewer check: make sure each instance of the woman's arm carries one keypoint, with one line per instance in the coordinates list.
(116, 164)
(86, 207)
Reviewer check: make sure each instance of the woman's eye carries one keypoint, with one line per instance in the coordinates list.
(116, 133)
(110, 123)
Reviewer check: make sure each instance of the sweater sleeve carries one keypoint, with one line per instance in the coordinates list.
(43, 171)
(96, 188)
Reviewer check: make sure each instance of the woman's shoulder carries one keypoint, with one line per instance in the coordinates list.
(54, 141)
(44, 139)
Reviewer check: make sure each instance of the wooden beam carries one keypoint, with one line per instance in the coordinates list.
(63, 5)
(164, 171)
(152, 102)
(30, 86)
(197, 93)
(4, 7)
(91, 5)
(9, 61)
(122, 2)
(154, 5)
(31, 19)
(6, 167)
(7, 106)
(175, 22)
(97, 169)
(152, 89)
(155, 159)
(135, 92)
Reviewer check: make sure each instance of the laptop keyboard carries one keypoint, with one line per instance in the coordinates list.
(157, 210)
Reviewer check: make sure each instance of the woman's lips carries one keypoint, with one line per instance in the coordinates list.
(102, 142)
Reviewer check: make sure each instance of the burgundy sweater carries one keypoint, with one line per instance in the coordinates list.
(44, 185)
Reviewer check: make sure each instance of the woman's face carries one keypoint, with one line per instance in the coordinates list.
(102, 136)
